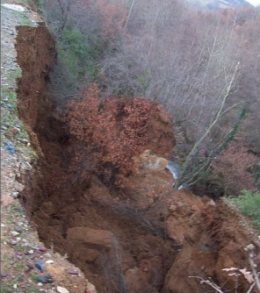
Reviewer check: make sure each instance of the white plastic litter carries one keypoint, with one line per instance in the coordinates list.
(15, 7)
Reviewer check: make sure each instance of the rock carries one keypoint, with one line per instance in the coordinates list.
(13, 242)
(50, 261)
(25, 166)
(18, 186)
(44, 279)
(18, 229)
(14, 233)
(15, 194)
(23, 140)
(62, 290)
(3, 275)
(74, 272)
(42, 249)
(19, 255)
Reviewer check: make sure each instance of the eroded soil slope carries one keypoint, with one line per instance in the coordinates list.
(119, 220)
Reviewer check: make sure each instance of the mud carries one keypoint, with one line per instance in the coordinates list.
(138, 235)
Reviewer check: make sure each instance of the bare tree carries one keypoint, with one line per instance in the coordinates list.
(193, 167)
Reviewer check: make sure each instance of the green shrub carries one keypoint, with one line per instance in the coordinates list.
(248, 203)
(79, 54)
(72, 53)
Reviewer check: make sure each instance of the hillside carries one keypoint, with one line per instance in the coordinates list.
(131, 147)
(106, 199)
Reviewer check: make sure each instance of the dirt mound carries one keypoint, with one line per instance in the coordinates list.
(128, 231)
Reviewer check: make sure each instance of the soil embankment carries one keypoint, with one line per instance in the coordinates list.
(119, 220)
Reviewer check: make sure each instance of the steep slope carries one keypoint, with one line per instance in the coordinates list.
(128, 231)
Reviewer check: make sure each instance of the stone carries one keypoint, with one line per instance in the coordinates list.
(44, 279)
(3, 275)
(18, 229)
(62, 290)
(74, 272)
(50, 261)
(18, 186)
(14, 233)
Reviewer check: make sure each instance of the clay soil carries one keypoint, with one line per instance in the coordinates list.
(127, 231)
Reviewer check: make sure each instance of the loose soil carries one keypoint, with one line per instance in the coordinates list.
(20, 245)
(127, 231)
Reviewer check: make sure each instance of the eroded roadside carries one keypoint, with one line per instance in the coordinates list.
(26, 264)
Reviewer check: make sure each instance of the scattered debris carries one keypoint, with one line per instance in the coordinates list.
(14, 7)
(73, 272)
(44, 279)
(10, 148)
(39, 264)
(62, 290)
(50, 261)
(14, 233)
(15, 194)
(3, 275)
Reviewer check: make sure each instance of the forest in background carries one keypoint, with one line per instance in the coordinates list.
(201, 65)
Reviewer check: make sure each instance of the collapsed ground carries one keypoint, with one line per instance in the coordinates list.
(111, 207)
(20, 246)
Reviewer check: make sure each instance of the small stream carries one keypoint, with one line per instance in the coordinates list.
(175, 169)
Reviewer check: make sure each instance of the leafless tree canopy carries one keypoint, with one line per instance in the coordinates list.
(185, 58)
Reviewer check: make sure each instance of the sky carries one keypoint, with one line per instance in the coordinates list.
(254, 2)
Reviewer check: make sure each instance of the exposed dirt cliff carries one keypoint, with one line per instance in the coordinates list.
(120, 221)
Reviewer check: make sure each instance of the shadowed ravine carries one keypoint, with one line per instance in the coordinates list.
(128, 231)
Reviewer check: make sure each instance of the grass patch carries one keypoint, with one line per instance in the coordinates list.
(12, 128)
(248, 203)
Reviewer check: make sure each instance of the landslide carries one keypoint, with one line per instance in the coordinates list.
(100, 192)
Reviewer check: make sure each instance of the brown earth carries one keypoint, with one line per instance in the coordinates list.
(137, 236)
(20, 246)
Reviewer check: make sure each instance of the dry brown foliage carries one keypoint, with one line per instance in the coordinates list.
(232, 167)
(119, 128)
